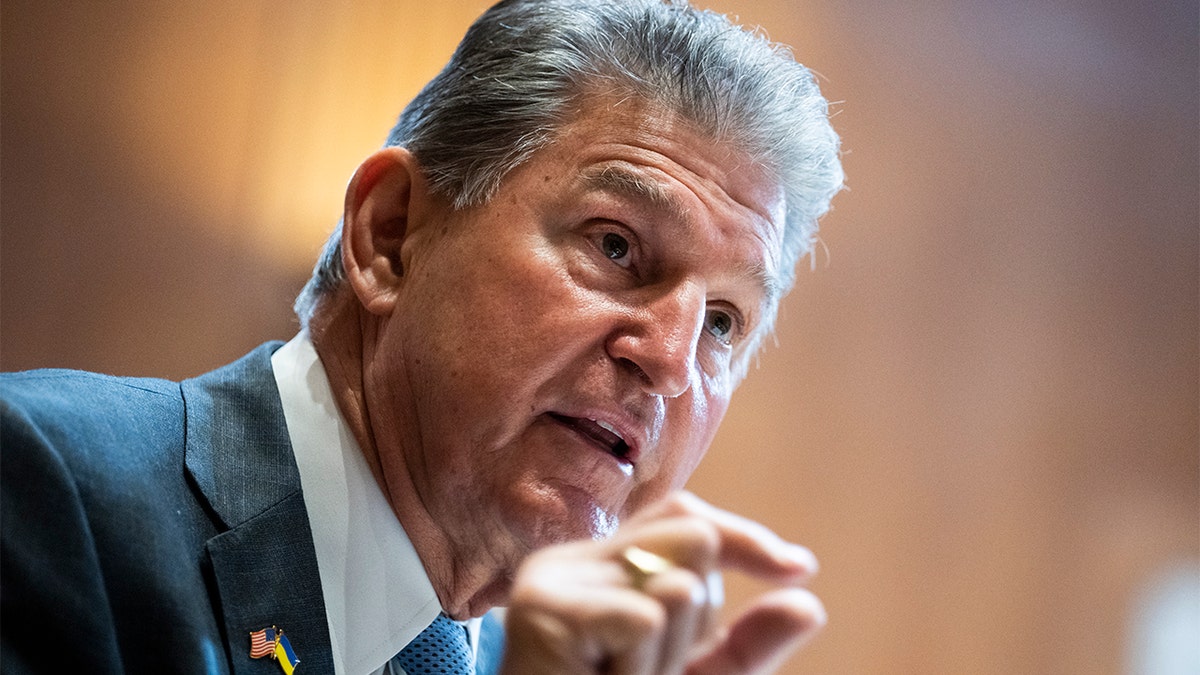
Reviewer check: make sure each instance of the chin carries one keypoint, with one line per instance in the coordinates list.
(554, 515)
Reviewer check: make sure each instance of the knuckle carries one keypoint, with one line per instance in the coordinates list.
(648, 620)
(683, 503)
(679, 589)
(701, 536)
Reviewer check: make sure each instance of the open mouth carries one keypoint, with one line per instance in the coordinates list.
(600, 434)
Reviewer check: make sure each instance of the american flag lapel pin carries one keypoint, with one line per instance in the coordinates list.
(273, 643)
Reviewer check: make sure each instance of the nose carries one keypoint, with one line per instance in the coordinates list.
(658, 339)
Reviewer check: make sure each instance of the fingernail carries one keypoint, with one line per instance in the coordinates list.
(802, 557)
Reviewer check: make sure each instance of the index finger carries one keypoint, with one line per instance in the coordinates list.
(745, 545)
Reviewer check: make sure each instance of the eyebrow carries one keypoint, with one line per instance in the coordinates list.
(627, 184)
(633, 187)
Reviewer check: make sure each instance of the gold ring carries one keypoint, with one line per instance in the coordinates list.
(643, 564)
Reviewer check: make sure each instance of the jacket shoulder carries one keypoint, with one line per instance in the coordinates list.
(88, 416)
(86, 458)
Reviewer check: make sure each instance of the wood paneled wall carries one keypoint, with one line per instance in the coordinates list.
(982, 408)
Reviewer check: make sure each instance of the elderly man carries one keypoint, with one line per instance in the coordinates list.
(515, 349)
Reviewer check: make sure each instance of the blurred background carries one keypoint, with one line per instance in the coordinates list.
(982, 408)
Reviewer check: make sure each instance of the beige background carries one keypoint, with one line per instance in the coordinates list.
(982, 410)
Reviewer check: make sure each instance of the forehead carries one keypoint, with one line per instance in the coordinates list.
(611, 121)
(658, 162)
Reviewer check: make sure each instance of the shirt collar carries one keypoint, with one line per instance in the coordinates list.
(377, 595)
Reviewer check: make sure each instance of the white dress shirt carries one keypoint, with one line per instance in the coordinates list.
(377, 595)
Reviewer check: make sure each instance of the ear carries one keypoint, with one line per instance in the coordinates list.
(387, 201)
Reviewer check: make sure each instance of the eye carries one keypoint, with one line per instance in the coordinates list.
(616, 249)
(720, 324)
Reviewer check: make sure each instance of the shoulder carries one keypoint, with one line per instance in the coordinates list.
(44, 379)
(78, 437)
(99, 518)
(68, 391)
(68, 409)
(122, 440)
(89, 462)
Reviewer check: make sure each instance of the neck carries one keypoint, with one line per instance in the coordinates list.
(468, 580)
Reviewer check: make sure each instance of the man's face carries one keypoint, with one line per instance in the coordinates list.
(564, 354)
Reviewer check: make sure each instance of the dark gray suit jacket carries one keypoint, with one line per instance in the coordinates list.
(150, 526)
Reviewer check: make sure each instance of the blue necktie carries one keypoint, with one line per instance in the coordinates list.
(440, 649)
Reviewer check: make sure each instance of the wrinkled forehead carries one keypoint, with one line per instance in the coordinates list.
(715, 155)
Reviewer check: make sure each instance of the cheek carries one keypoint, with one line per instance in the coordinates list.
(490, 337)
(691, 431)
(699, 420)
(707, 414)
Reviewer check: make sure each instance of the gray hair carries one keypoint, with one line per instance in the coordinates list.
(516, 75)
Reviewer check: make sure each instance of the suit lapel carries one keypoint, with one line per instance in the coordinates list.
(264, 566)
(266, 574)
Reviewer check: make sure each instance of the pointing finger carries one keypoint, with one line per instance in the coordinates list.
(745, 545)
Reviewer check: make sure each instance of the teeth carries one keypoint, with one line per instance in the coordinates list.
(609, 428)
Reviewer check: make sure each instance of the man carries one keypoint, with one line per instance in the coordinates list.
(515, 349)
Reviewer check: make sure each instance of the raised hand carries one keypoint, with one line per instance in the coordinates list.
(647, 600)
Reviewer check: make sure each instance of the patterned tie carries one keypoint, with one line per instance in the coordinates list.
(440, 649)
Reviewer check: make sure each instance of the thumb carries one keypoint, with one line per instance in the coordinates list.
(765, 634)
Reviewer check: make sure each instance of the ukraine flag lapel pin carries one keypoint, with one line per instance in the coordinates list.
(273, 643)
